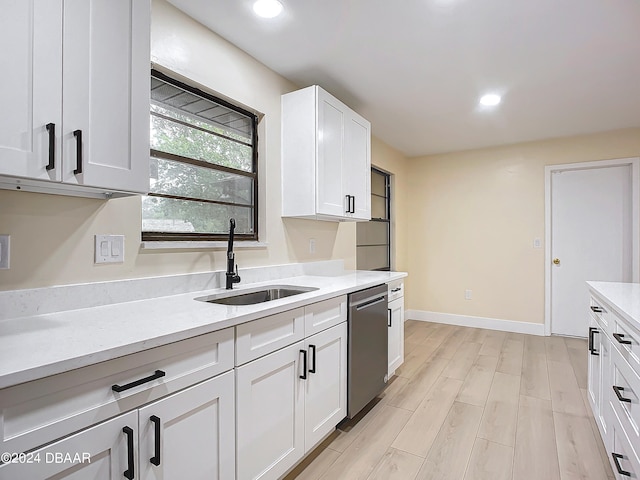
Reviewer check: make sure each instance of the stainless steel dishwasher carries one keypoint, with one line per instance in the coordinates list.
(367, 347)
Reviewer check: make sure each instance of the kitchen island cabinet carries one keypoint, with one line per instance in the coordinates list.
(614, 372)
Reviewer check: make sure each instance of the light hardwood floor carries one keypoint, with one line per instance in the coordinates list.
(472, 404)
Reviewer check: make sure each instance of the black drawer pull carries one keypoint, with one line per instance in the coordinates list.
(620, 338)
(592, 349)
(78, 135)
(619, 395)
(51, 128)
(595, 309)
(129, 473)
(616, 456)
(313, 359)
(396, 289)
(304, 364)
(122, 388)
(155, 460)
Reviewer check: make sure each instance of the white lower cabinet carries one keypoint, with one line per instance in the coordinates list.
(107, 451)
(186, 435)
(288, 401)
(396, 335)
(190, 434)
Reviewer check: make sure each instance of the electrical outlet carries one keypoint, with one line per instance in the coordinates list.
(537, 243)
(109, 248)
(468, 294)
(312, 245)
(5, 251)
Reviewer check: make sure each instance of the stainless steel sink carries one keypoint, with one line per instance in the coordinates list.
(257, 295)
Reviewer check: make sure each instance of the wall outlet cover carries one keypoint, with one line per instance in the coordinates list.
(109, 249)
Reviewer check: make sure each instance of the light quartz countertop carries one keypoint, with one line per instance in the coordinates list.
(37, 346)
(623, 297)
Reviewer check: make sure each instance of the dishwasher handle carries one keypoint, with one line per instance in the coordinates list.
(369, 302)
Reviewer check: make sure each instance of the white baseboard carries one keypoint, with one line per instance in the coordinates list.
(477, 322)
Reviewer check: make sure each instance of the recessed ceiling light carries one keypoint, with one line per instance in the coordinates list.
(490, 100)
(267, 8)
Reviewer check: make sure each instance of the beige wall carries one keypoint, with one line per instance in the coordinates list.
(52, 236)
(474, 216)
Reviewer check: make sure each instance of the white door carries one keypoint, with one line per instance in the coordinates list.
(326, 387)
(331, 198)
(396, 334)
(106, 93)
(357, 165)
(190, 434)
(31, 93)
(103, 452)
(591, 229)
(270, 414)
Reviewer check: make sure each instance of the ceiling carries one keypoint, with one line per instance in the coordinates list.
(416, 68)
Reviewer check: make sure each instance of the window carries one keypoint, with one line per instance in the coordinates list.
(204, 166)
(373, 238)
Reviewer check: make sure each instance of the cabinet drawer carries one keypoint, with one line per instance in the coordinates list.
(600, 313)
(627, 340)
(40, 411)
(396, 289)
(265, 335)
(322, 315)
(623, 459)
(625, 396)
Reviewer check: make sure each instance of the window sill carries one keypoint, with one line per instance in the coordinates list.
(219, 245)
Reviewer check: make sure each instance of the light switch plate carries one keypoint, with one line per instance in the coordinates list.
(109, 248)
(5, 251)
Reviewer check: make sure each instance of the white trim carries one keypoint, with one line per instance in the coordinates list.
(477, 322)
(199, 245)
(634, 162)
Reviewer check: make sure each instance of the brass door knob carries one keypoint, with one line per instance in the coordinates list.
(556, 261)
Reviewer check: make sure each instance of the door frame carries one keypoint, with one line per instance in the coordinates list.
(634, 163)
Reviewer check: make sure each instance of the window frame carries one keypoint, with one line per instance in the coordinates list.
(387, 221)
(196, 236)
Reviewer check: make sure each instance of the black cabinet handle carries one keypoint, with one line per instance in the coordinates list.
(129, 472)
(353, 204)
(619, 395)
(313, 359)
(156, 454)
(388, 317)
(51, 128)
(304, 364)
(620, 338)
(616, 456)
(396, 289)
(122, 388)
(78, 135)
(592, 349)
(595, 309)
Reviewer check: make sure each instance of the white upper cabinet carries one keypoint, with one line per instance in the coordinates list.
(76, 98)
(326, 158)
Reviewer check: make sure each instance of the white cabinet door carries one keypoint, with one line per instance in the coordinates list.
(326, 386)
(190, 434)
(31, 55)
(106, 93)
(103, 452)
(357, 165)
(331, 199)
(594, 384)
(270, 414)
(396, 334)
(605, 384)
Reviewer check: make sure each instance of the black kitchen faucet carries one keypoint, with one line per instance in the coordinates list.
(232, 276)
